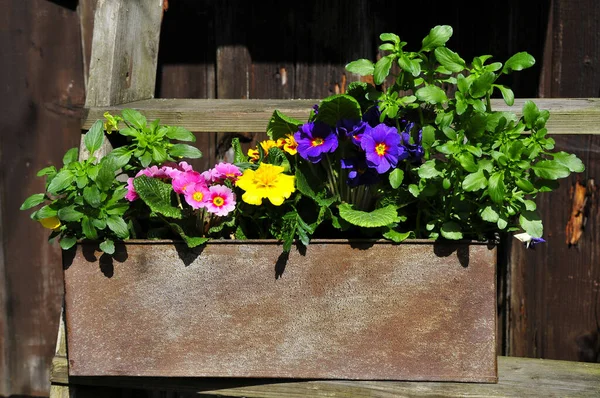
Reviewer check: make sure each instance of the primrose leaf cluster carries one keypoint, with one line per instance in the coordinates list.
(85, 198)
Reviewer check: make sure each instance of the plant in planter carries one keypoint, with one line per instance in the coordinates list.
(418, 154)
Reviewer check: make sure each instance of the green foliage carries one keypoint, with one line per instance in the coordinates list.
(449, 166)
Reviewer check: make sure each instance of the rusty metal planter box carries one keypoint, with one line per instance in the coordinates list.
(341, 310)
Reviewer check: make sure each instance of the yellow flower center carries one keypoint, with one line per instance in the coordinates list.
(198, 196)
(317, 141)
(381, 149)
(218, 201)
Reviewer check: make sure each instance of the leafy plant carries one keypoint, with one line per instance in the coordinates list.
(418, 154)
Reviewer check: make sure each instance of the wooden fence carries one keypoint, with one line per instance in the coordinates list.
(549, 299)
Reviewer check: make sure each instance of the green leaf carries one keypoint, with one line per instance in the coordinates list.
(94, 138)
(157, 195)
(88, 228)
(381, 70)
(496, 188)
(570, 161)
(525, 185)
(71, 156)
(409, 65)
(390, 37)
(529, 205)
(502, 222)
(134, 118)
(145, 159)
(467, 162)
(118, 226)
(47, 171)
(532, 223)
(33, 201)
(67, 242)
(363, 67)
(61, 181)
(507, 94)
(281, 125)
(396, 177)
(475, 181)
(119, 157)
(238, 153)
(45, 212)
(489, 214)
(376, 218)
(180, 133)
(396, 236)
(519, 61)
(428, 137)
(185, 151)
(432, 95)
(338, 107)
(159, 155)
(428, 169)
(91, 194)
(550, 170)
(451, 230)
(108, 246)
(530, 113)
(438, 36)
(449, 59)
(190, 241)
(482, 84)
(106, 175)
(69, 214)
(414, 190)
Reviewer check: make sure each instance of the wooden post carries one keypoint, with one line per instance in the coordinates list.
(124, 52)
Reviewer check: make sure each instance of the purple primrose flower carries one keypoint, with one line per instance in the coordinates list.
(382, 147)
(360, 173)
(314, 140)
(353, 129)
(415, 150)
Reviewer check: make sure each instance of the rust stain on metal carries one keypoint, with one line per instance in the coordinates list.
(580, 195)
(418, 311)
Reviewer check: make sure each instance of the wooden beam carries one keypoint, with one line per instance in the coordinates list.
(568, 115)
(518, 377)
(124, 51)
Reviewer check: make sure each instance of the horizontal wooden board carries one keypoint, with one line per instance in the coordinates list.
(568, 115)
(518, 377)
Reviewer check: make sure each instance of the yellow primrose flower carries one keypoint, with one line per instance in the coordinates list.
(290, 145)
(268, 181)
(268, 144)
(50, 222)
(253, 155)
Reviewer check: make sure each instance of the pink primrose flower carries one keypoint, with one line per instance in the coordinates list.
(220, 200)
(196, 195)
(131, 194)
(182, 181)
(226, 171)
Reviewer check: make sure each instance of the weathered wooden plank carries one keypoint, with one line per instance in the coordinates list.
(555, 290)
(4, 332)
(322, 52)
(518, 377)
(41, 103)
(86, 9)
(575, 49)
(568, 115)
(124, 51)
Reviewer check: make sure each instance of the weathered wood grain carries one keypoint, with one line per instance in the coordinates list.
(4, 332)
(575, 49)
(86, 9)
(41, 103)
(555, 289)
(568, 115)
(518, 377)
(124, 51)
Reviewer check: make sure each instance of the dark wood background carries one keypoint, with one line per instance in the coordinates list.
(549, 298)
